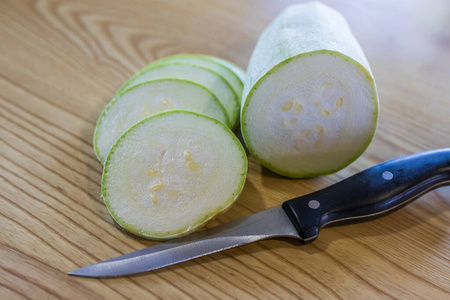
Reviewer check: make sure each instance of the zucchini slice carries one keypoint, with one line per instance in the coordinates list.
(171, 173)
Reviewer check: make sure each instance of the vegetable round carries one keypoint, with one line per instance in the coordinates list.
(311, 106)
(171, 173)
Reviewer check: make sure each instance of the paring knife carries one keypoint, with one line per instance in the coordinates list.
(367, 195)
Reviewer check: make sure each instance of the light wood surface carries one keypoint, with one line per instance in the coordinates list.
(62, 61)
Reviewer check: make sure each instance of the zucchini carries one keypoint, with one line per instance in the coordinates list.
(309, 105)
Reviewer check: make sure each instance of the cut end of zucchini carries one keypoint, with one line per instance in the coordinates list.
(171, 173)
(311, 115)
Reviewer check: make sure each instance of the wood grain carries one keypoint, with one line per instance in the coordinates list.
(61, 62)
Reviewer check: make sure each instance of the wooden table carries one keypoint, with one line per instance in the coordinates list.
(62, 61)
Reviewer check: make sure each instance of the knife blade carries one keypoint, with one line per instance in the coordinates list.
(362, 197)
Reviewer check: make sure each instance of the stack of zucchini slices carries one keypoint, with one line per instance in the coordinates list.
(171, 161)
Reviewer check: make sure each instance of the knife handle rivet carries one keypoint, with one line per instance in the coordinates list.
(387, 175)
(314, 204)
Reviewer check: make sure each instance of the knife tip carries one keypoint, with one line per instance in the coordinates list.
(93, 271)
(81, 272)
(75, 273)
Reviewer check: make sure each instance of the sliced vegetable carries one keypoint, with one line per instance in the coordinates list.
(206, 77)
(310, 105)
(171, 173)
(148, 98)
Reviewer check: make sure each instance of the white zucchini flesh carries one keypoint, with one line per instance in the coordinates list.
(208, 78)
(171, 173)
(210, 63)
(311, 106)
(150, 98)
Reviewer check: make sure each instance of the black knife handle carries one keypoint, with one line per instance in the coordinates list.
(369, 194)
